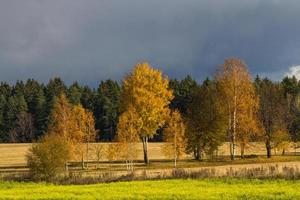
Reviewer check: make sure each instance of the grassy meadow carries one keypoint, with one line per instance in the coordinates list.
(162, 189)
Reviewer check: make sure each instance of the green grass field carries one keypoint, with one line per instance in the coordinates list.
(164, 189)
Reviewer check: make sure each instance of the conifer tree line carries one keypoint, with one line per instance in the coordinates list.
(147, 106)
(25, 107)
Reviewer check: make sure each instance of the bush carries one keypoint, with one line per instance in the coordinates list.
(47, 158)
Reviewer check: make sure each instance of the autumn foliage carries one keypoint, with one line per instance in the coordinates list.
(47, 159)
(147, 91)
(174, 136)
(239, 101)
(128, 130)
(70, 127)
(190, 118)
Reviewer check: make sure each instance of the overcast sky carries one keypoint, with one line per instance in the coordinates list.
(92, 40)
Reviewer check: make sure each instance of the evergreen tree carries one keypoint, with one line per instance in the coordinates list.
(19, 88)
(107, 109)
(55, 88)
(2, 119)
(16, 105)
(88, 98)
(36, 101)
(292, 94)
(74, 93)
(182, 91)
(5, 90)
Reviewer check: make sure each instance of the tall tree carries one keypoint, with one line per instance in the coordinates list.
(146, 89)
(292, 94)
(248, 124)
(36, 101)
(2, 117)
(16, 105)
(5, 93)
(237, 90)
(273, 111)
(205, 121)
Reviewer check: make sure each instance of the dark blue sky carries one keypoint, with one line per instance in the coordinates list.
(91, 40)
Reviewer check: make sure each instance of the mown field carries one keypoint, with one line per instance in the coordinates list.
(15, 154)
(163, 189)
(13, 159)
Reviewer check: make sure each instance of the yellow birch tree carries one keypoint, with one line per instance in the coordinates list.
(239, 98)
(146, 89)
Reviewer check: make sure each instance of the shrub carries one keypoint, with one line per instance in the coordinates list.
(47, 158)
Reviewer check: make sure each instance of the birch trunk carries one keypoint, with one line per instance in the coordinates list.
(145, 149)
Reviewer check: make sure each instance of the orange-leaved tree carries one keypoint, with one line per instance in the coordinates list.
(128, 130)
(62, 119)
(74, 123)
(240, 100)
(174, 137)
(84, 130)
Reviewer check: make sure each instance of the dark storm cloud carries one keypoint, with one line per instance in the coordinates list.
(90, 40)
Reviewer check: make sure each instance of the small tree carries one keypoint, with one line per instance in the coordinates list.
(90, 132)
(281, 140)
(99, 153)
(174, 136)
(112, 152)
(47, 159)
(62, 119)
(74, 123)
(84, 130)
(128, 151)
(128, 130)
